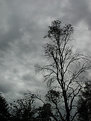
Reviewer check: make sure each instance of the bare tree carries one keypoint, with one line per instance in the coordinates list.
(64, 70)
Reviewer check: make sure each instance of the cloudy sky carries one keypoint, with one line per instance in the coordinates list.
(23, 23)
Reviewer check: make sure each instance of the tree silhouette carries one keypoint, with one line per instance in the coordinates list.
(63, 73)
(53, 97)
(44, 112)
(64, 69)
(4, 109)
(84, 103)
(23, 109)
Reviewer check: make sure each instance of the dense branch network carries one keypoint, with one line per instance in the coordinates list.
(64, 68)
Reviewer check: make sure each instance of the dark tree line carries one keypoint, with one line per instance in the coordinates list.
(26, 109)
(4, 112)
(84, 103)
(63, 74)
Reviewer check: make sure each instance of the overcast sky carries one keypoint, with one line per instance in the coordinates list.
(23, 23)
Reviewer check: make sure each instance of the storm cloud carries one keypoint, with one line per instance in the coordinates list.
(23, 23)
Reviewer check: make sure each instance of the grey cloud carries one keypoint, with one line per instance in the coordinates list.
(32, 81)
(77, 11)
(7, 86)
(25, 16)
(22, 27)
